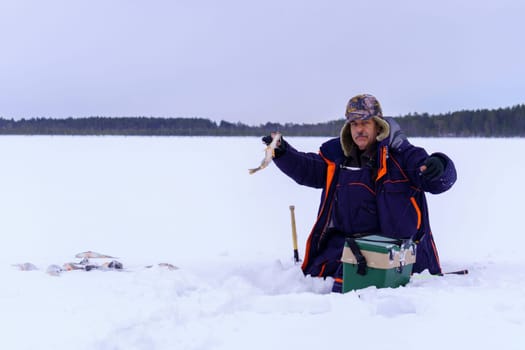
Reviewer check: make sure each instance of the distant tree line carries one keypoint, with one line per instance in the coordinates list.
(503, 122)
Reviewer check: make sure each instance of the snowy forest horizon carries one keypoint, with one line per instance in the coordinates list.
(501, 122)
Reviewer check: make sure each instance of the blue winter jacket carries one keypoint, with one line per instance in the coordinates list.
(386, 197)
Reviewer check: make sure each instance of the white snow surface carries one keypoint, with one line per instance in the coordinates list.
(189, 201)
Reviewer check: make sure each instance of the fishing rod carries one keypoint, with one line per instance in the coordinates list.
(458, 272)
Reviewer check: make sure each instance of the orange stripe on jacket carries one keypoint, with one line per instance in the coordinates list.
(330, 172)
(382, 163)
(418, 211)
(322, 270)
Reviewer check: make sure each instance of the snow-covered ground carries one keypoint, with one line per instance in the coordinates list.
(190, 202)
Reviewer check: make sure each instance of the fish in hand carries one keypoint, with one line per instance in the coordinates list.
(269, 153)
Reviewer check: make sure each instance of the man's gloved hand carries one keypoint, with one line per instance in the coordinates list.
(433, 168)
(281, 145)
(267, 139)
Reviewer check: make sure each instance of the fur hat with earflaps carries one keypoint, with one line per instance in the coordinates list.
(362, 107)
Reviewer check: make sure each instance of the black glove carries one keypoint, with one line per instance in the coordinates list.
(434, 168)
(281, 145)
(267, 139)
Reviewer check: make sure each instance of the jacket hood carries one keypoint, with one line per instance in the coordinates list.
(396, 137)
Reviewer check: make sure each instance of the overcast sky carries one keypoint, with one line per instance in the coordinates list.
(257, 61)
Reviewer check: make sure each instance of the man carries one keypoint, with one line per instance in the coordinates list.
(373, 181)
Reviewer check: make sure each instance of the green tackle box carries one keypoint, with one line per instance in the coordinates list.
(389, 263)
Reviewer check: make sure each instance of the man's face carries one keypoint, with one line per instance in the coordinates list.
(364, 132)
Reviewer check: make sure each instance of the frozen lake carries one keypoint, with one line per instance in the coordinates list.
(190, 201)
